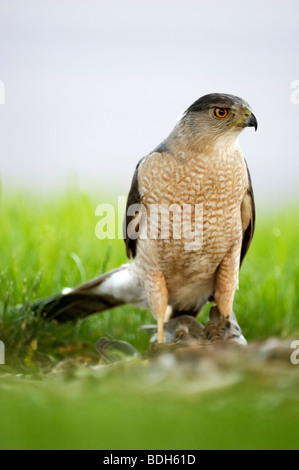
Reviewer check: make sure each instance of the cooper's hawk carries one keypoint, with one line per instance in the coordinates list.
(198, 178)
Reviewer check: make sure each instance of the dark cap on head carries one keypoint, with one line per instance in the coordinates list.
(216, 99)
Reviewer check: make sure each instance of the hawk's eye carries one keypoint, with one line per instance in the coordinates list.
(220, 112)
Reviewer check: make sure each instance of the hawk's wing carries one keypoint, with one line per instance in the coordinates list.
(134, 197)
(248, 218)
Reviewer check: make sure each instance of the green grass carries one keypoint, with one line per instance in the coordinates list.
(49, 243)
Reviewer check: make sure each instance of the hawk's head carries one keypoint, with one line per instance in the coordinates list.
(218, 114)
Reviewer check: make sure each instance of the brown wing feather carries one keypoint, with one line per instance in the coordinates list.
(248, 218)
(134, 197)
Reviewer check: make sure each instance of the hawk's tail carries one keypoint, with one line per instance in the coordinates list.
(117, 287)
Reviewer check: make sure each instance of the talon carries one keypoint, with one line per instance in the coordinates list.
(211, 331)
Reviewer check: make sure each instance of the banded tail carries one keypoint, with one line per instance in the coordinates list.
(117, 287)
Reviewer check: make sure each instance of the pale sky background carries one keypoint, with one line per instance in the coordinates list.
(92, 86)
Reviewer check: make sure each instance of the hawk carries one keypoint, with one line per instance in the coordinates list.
(199, 170)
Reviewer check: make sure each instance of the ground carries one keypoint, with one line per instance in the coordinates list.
(56, 393)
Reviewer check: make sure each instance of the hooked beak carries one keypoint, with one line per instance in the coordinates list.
(251, 121)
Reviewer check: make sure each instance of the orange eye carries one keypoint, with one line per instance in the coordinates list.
(220, 112)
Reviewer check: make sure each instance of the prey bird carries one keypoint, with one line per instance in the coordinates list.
(200, 169)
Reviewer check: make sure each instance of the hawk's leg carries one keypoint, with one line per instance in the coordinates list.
(157, 293)
(227, 280)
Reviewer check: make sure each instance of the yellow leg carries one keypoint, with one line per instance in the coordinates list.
(158, 299)
(161, 330)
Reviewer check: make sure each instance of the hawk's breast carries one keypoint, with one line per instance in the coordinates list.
(203, 196)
